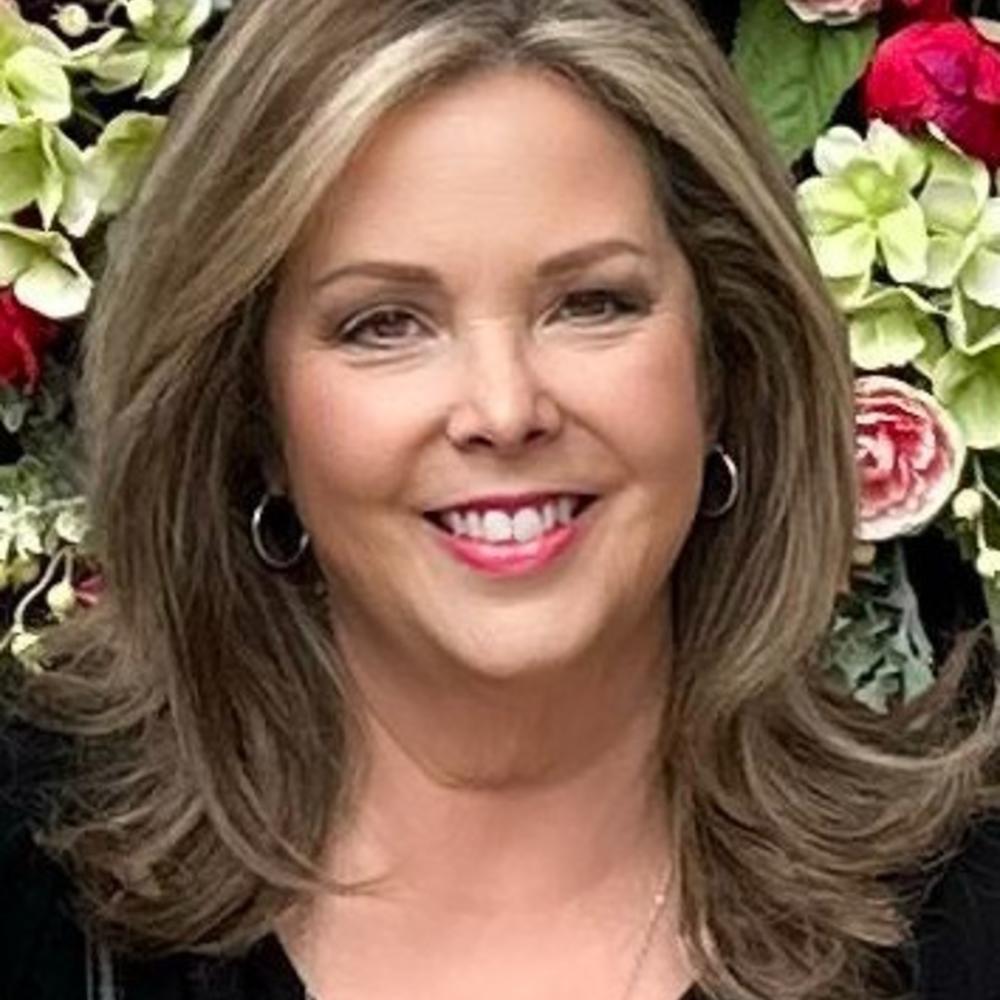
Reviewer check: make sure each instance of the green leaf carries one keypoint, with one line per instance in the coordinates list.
(969, 386)
(878, 648)
(796, 74)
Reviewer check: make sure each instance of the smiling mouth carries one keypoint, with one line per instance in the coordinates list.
(511, 527)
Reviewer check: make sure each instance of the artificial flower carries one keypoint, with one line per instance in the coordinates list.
(156, 55)
(861, 208)
(833, 12)
(969, 385)
(891, 327)
(44, 271)
(910, 453)
(24, 337)
(945, 73)
(33, 81)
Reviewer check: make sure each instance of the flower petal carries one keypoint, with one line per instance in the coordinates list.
(903, 240)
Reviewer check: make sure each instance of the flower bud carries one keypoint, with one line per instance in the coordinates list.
(61, 598)
(863, 554)
(988, 563)
(72, 20)
(967, 504)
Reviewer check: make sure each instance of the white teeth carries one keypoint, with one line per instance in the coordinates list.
(455, 522)
(527, 524)
(497, 526)
(523, 525)
(549, 516)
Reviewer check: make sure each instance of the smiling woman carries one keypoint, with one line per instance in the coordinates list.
(471, 448)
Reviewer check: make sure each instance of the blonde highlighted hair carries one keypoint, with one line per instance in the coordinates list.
(204, 688)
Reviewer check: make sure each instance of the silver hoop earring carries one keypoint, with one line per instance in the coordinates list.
(257, 531)
(733, 491)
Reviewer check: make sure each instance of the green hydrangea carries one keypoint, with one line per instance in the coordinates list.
(43, 270)
(861, 212)
(155, 55)
(33, 79)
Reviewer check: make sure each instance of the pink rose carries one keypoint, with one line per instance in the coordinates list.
(943, 72)
(910, 453)
(833, 11)
(24, 336)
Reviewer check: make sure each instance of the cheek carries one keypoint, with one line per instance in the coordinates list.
(649, 402)
(346, 441)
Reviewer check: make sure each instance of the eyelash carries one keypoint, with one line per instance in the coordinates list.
(625, 304)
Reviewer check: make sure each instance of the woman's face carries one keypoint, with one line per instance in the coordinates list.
(488, 316)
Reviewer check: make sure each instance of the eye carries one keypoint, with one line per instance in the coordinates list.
(381, 329)
(598, 305)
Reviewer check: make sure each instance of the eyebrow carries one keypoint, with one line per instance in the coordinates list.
(415, 274)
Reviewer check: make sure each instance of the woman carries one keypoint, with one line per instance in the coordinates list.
(471, 451)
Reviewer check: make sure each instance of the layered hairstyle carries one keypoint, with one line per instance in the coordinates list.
(207, 695)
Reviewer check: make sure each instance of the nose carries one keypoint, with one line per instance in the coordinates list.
(503, 404)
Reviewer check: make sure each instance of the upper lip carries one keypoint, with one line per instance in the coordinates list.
(509, 501)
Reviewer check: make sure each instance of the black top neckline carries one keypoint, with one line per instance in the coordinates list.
(272, 960)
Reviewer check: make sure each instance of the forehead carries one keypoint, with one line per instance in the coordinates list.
(518, 154)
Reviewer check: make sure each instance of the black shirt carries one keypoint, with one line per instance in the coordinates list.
(44, 954)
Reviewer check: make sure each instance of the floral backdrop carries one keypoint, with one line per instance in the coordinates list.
(887, 113)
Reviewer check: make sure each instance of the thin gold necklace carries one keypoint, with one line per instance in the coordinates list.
(645, 945)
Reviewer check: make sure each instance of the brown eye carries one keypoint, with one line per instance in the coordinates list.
(381, 329)
(597, 305)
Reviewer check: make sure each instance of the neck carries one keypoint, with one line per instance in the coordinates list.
(495, 794)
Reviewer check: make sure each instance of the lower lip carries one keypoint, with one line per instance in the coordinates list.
(512, 558)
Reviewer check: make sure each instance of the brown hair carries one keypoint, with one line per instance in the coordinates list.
(204, 688)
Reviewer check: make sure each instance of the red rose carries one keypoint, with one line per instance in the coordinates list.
(943, 72)
(910, 453)
(24, 335)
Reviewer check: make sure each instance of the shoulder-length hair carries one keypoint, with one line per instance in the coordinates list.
(205, 689)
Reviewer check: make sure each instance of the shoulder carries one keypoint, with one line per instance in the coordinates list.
(957, 935)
